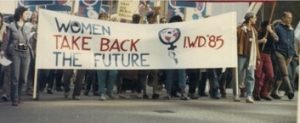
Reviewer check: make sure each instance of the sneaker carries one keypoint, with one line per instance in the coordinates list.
(102, 97)
(249, 100)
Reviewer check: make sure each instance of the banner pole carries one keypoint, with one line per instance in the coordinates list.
(35, 96)
(236, 83)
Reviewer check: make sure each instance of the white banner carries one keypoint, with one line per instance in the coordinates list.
(71, 42)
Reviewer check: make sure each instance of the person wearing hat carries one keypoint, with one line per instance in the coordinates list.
(248, 55)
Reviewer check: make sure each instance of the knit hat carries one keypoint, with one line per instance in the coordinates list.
(249, 15)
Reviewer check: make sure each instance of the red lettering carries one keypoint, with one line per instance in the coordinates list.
(212, 41)
(220, 39)
(115, 46)
(65, 43)
(118, 45)
(85, 43)
(104, 44)
(74, 42)
(56, 38)
(133, 44)
(189, 43)
(202, 41)
(122, 45)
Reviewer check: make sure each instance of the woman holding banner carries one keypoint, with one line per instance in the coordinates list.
(180, 73)
(107, 78)
(19, 50)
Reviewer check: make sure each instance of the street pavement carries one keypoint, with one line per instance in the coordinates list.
(55, 109)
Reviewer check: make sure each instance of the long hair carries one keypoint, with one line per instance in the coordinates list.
(247, 21)
(19, 12)
(2, 19)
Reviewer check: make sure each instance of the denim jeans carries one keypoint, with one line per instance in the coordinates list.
(142, 79)
(213, 82)
(245, 76)
(1, 76)
(43, 78)
(91, 81)
(170, 78)
(5, 79)
(107, 78)
(292, 72)
(194, 79)
(66, 77)
(19, 74)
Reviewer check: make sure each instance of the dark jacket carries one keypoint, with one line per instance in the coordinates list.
(285, 44)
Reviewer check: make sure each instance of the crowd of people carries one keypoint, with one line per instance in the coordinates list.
(267, 61)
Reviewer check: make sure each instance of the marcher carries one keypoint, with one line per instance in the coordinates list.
(19, 50)
(264, 74)
(284, 51)
(247, 54)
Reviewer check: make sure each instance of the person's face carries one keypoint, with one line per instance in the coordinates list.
(288, 18)
(25, 16)
(34, 17)
(253, 20)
